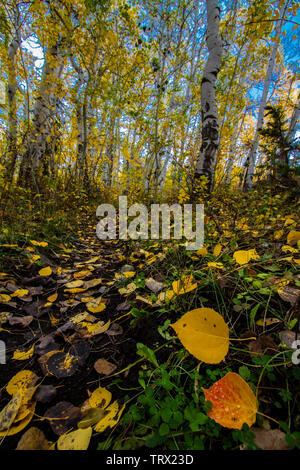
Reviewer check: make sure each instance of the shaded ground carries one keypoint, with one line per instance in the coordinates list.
(117, 345)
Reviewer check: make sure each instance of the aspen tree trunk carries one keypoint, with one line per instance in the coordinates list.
(232, 150)
(34, 160)
(251, 159)
(210, 126)
(294, 119)
(11, 97)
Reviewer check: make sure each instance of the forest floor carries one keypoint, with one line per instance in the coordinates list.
(96, 315)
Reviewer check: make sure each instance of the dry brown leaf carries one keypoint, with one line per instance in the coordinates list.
(102, 366)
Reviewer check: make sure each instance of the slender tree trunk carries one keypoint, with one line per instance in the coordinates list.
(210, 126)
(11, 98)
(251, 159)
(33, 163)
(294, 119)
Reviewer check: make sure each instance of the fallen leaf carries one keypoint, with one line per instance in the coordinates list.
(75, 440)
(26, 379)
(114, 412)
(53, 297)
(289, 294)
(45, 393)
(20, 293)
(293, 237)
(62, 364)
(204, 333)
(23, 355)
(154, 285)
(33, 439)
(244, 256)
(184, 285)
(270, 439)
(102, 366)
(288, 337)
(45, 271)
(22, 321)
(233, 402)
(62, 417)
(100, 398)
(9, 412)
(91, 417)
(262, 345)
(268, 321)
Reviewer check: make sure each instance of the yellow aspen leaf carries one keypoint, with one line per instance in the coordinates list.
(35, 243)
(91, 417)
(23, 355)
(81, 274)
(293, 237)
(20, 293)
(267, 321)
(290, 249)
(45, 271)
(75, 440)
(96, 305)
(128, 274)
(74, 284)
(100, 398)
(21, 382)
(233, 402)
(213, 264)
(95, 328)
(244, 256)
(53, 297)
(18, 427)
(92, 283)
(75, 290)
(204, 333)
(217, 250)
(5, 298)
(9, 412)
(184, 285)
(26, 408)
(290, 222)
(86, 299)
(114, 412)
(128, 290)
(278, 234)
(202, 252)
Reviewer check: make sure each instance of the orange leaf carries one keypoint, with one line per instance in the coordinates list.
(233, 402)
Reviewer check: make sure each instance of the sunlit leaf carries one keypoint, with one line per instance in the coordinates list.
(204, 333)
(233, 402)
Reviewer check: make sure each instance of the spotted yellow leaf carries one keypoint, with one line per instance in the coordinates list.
(204, 333)
(23, 355)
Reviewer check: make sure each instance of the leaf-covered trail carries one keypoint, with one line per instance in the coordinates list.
(68, 323)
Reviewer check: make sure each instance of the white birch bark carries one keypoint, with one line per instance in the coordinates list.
(34, 156)
(294, 120)
(251, 159)
(12, 87)
(210, 126)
